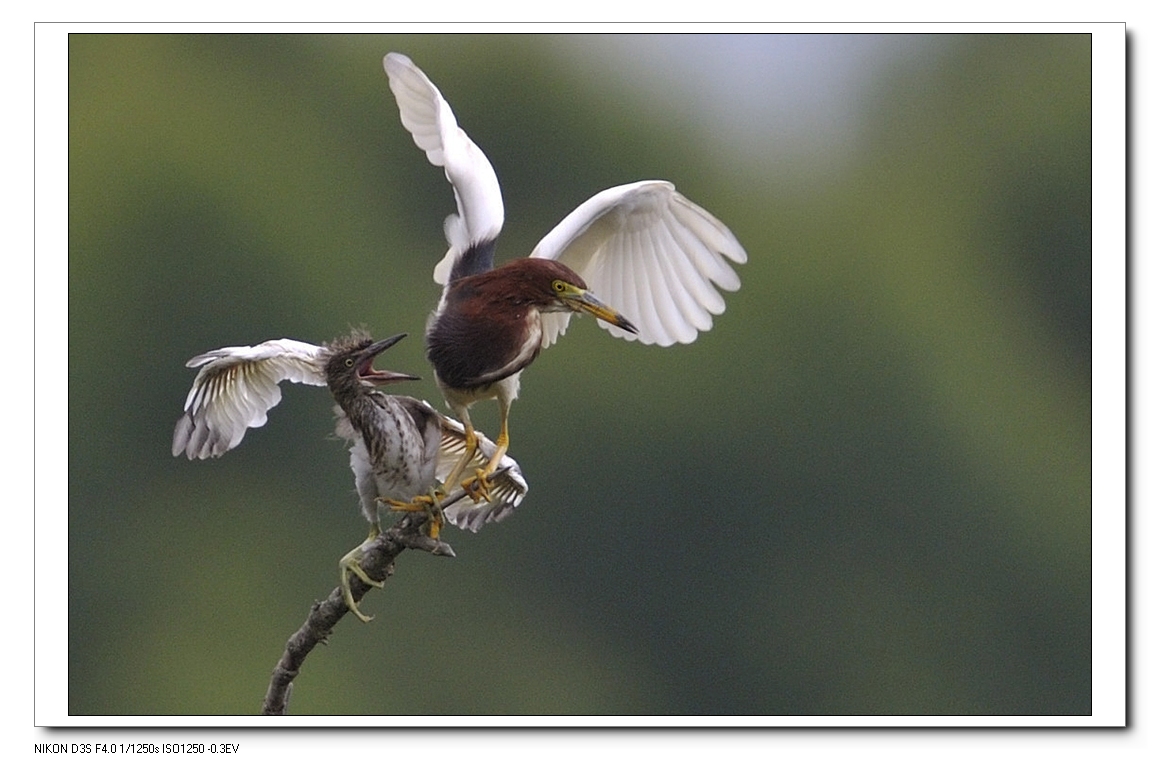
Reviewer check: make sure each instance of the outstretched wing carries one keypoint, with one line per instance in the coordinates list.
(643, 248)
(652, 254)
(426, 114)
(235, 388)
(508, 486)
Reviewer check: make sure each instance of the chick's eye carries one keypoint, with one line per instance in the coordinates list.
(348, 363)
(557, 286)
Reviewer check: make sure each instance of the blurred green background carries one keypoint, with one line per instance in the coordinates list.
(866, 491)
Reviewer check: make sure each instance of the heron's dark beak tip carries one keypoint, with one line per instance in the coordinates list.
(590, 304)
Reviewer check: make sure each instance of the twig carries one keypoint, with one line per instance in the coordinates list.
(378, 561)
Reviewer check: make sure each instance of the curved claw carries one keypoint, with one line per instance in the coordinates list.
(354, 567)
(416, 504)
(350, 603)
(344, 578)
(427, 504)
(478, 486)
(350, 564)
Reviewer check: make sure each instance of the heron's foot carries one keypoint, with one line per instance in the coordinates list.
(423, 504)
(435, 518)
(435, 521)
(350, 564)
(478, 486)
(417, 504)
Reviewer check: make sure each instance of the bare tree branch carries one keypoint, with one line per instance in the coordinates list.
(378, 561)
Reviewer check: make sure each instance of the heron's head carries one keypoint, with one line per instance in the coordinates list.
(350, 367)
(552, 286)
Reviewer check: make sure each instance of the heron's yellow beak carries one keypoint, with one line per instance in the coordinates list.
(582, 301)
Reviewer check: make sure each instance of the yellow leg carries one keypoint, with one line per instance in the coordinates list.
(416, 504)
(479, 485)
(501, 443)
(349, 564)
(422, 503)
(436, 523)
(472, 443)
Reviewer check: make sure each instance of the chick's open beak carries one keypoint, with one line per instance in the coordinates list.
(582, 301)
(366, 360)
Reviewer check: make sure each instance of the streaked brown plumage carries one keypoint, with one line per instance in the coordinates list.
(400, 447)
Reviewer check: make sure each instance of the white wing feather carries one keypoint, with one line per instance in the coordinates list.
(425, 113)
(508, 487)
(642, 248)
(652, 254)
(235, 388)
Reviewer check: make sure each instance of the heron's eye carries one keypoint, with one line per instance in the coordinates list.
(348, 363)
(558, 286)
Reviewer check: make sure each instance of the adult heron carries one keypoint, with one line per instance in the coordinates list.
(642, 247)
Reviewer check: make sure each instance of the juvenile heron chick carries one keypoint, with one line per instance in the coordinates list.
(642, 247)
(401, 448)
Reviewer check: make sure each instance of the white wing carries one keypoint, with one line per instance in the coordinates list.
(234, 390)
(642, 248)
(650, 253)
(508, 488)
(426, 114)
